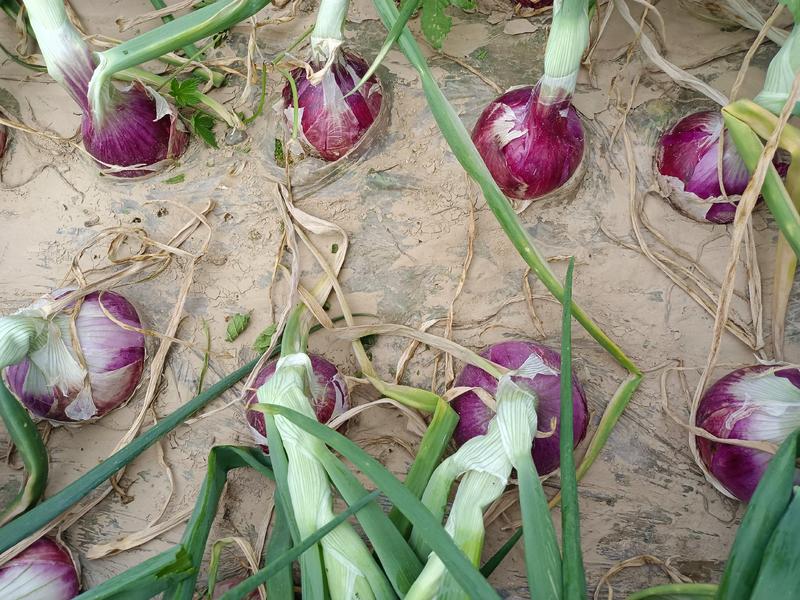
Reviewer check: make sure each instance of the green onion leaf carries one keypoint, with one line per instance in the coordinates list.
(24, 435)
(676, 591)
(435, 536)
(573, 576)
(765, 511)
(284, 560)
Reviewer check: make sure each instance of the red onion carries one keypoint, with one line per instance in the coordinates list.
(686, 168)
(759, 403)
(128, 127)
(114, 358)
(43, 571)
(330, 124)
(332, 397)
(475, 415)
(531, 148)
(132, 133)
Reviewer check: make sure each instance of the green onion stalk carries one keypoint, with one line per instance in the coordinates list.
(305, 470)
(468, 577)
(759, 115)
(484, 464)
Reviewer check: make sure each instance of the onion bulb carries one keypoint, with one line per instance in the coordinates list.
(330, 124)
(43, 571)
(758, 403)
(530, 148)
(686, 168)
(331, 397)
(132, 131)
(531, 138)
(475, 414)
(65, 382)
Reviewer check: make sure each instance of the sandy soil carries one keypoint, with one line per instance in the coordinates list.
(405, 207)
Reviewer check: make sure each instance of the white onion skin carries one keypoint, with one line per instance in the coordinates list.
(43, 571)
(758, 403)
(114, 356)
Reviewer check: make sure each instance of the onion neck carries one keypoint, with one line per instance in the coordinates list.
(68, 57)
(566, 43)
(328, 32)
(782, 70)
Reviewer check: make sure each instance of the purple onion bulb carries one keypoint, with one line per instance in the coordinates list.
(333, 398)
(531, 149)
(128, 126)
(113, 356)
(686, 168)
(130, 134)
(330, 124)
(759, 403)
(475, 415)
(43, 571)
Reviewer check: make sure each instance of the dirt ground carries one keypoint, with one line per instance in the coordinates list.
(406, 209)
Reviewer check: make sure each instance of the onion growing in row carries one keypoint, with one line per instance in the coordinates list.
(686, 168)
(329, 394)
(63, 381)
(332, 120)
(130, 132)
(531, 138)
(687, 154)
(475, 415)
(758, 403)
(43, 571)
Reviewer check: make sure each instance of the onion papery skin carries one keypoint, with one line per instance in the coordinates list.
(114, 358)
(475, 415)
(43, 571)
(130, 134)
(686, 168)
(531, 149)
(332, 397)
(330, 124)
(759, 403)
